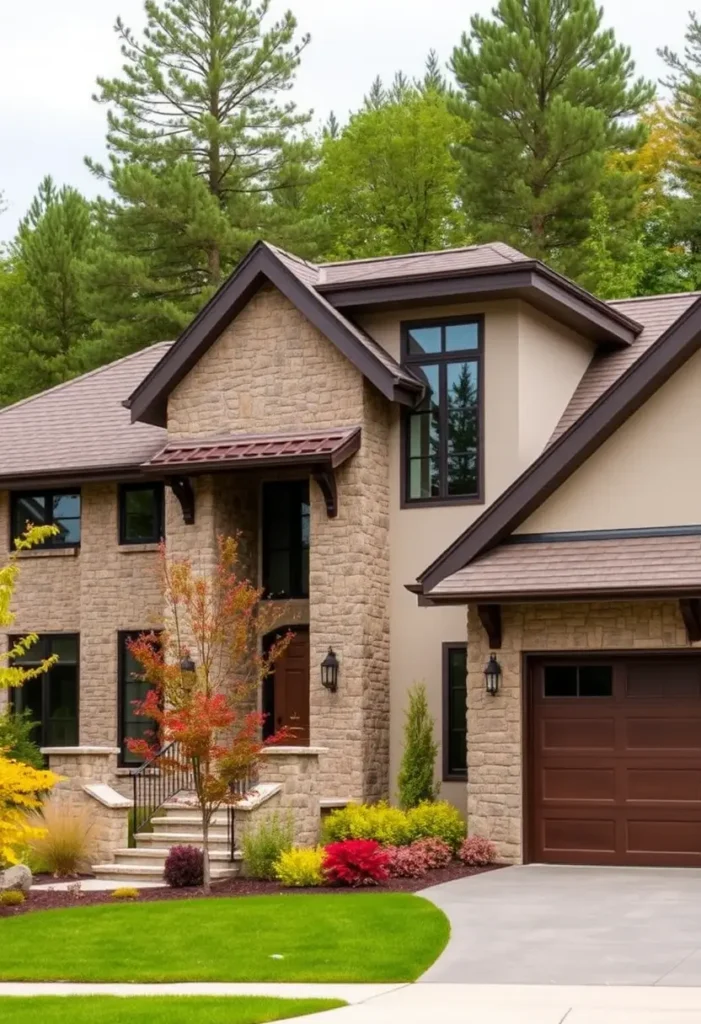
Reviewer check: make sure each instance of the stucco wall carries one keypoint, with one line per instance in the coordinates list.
(95, 591)
(523, 350)
(495, 750)
(642, 475)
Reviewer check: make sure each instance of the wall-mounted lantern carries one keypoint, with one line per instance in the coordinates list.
(187, 664)
(329, 671)
(492, 675)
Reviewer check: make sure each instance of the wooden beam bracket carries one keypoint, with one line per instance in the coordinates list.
(182, 488)
(326, 481)
(490, 617)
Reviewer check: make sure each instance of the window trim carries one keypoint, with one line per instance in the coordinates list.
(47, 492)
(12, 638)
(159, 489)
(447, 647)
(468, 355)
(121, 651)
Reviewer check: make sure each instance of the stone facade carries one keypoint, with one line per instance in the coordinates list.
(96, 591)
(297, 769)
(496, 743)
(87, 767)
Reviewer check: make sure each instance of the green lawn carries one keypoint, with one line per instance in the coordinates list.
(156, 1009)
(371, 937)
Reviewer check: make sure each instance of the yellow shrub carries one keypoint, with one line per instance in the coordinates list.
(437, 820)
(126, 892)
(63, 843)
(388, 825)
(300, 866)
(11, 898)
(20, 786)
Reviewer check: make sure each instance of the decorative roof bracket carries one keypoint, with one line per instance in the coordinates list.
(182, 488)
(490, 617)
(690, 608)
(326, 481)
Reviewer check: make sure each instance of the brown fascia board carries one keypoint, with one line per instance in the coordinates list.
(72, 477)
(148, 403)
(530, 280)
(571, 596)
(557, 463)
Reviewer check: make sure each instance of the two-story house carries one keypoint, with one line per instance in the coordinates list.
(349, 421)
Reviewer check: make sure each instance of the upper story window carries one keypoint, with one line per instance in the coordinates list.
(48, 508)
(443, 439)
(141, 513)
(286, 538)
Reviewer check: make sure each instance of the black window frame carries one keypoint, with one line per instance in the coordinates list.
(577, 665)
(297, 578)
(450, 774)
(442, 359)
(48, 494)
(158, 488)
(122, 636)
(42, 741)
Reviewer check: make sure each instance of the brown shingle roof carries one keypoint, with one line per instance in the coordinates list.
(656, 313)
(652, 564)
(447, 261)
(330, 447)
(80, 425)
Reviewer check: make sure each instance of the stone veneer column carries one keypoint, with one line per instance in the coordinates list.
(297, 769)
(348, 610)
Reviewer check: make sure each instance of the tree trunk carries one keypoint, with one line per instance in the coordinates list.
(206, 881)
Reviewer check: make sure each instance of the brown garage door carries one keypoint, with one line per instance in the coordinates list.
(616, 761)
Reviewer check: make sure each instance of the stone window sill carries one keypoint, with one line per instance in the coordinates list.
(136, 549)
(49, 553)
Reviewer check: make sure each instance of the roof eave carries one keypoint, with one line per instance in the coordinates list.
(641, 593)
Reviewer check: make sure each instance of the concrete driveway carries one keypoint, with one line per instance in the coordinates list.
(542, 925)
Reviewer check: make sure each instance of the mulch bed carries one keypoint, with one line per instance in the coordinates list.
(235, 887)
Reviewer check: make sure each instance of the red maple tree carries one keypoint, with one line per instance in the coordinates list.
(205, 669)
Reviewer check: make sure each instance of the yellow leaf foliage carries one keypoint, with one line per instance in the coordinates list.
(21, 789)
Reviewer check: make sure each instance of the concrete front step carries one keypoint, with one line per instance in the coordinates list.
(159, 853)
(154, 872)
(180, 823)
(159, 838)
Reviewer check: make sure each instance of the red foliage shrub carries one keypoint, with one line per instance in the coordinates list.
(406, 861)
(355, 862)
(477, 852)
(184, 867)
(437, 853)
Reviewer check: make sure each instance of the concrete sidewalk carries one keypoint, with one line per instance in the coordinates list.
(444, 1004)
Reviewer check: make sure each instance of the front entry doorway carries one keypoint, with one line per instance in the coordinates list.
(286, 691)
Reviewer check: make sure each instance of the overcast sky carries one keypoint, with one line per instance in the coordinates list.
(52, 50)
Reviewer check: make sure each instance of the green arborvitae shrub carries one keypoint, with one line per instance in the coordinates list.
(263, 844)
(16, 731)
(416, 781)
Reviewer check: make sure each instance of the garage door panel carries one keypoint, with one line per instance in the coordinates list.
(663, 732)
(617, 780)
(578, 783)
(663, 784)
(563, 730)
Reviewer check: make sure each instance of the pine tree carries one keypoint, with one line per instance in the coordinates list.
(45, 312)
(416, 773)
(547, 94)
(376, 97)
(433, 79)
(199, 139)
(332, 128)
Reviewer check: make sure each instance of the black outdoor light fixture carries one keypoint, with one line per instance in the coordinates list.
(329, 671)
(187, 664)
(492, 675)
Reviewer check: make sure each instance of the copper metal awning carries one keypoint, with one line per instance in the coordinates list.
(321, 450)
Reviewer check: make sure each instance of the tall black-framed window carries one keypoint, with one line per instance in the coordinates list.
(131, 688)
(455, 712)
(52, 699)
(48, 508)
(141, 513)
(286, 538)
(443, 437)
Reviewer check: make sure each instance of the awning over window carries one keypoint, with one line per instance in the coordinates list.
(319, 448)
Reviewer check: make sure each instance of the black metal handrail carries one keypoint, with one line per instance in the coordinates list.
(154, 787)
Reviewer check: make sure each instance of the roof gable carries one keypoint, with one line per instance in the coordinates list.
(264, 263)
(557, 463)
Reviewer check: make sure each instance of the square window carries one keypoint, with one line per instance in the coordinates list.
(560, 681)
(141, 513)
(595, 681)
(48, 508)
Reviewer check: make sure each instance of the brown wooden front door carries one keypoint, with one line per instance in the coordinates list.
(616, 760)
(291, 690)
